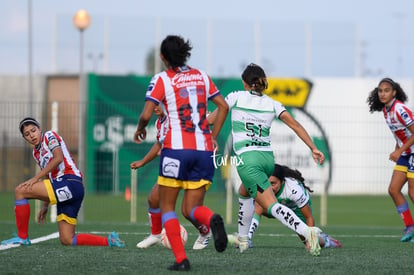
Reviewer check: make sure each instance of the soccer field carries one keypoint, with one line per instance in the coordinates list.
(367, 226)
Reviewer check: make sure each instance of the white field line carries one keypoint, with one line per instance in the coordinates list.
(34, 241)
(8, 246)
(262, 234)
(56, 235)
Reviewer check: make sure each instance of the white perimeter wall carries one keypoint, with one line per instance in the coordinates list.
(360, 141)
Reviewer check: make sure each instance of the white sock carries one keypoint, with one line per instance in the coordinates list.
(287, 217)
(254, 225)
(246, 211)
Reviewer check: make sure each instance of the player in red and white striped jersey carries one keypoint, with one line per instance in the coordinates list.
(185, 92)
(390, 98)
(43, 154)
(187, 156)
(399, 118)
(63, 188)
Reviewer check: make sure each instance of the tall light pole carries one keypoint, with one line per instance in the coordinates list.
(81, 21)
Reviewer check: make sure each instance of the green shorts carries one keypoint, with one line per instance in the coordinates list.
(255, 169)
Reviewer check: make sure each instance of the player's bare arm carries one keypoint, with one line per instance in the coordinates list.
(317, 155)
(152, 153)
(141, 132)
(56, 160)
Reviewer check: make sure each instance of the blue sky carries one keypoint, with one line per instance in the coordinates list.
(288, 38)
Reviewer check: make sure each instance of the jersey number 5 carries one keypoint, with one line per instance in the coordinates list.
(252, 129)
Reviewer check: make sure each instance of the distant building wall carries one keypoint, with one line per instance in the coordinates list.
(360, 141)
(65, 91)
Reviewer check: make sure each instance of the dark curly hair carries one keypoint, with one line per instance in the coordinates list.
(373, 99)
(255, 77)
(176, 50)
(281, 172)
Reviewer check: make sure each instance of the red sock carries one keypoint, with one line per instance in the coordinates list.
(407, 218)
(22, 213)
(156, 223)
(203, 215)
(89, 239)
(172, 227)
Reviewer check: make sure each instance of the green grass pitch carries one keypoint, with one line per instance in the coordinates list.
(367, 226)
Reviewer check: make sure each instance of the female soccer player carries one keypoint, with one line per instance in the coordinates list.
(154, 212)
(252, 114)
(186, 157)
(389, 98)
(290, 189)
(64, 188)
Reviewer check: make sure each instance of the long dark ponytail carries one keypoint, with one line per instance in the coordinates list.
(281, 172)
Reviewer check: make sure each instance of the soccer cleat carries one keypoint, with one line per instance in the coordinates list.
(313, 241)
(219, 232)
(408, 234)
(233, 239)
(243, 243)
(334, 243)
(329, 241)
(183, 266)
(149, 241)
(115, 241)
(250, 243)
(17, 240)
(202, 241)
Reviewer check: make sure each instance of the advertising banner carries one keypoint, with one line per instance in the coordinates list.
(114, 106)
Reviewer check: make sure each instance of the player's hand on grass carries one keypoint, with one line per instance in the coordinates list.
(41, 216)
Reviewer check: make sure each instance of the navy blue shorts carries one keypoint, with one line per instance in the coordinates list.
(187, 165)
(67, 193)
(406, 163)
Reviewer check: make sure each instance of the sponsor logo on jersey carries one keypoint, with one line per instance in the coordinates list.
(150, 86)
(187, 80)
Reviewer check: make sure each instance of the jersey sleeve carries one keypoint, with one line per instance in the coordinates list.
(231, 99)
(156, 90)
(52, 140)
(404, 114)
(278, 107)
(298, 193)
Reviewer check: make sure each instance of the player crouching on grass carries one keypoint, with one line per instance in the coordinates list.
(63, 188)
